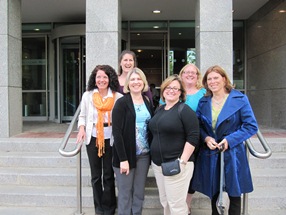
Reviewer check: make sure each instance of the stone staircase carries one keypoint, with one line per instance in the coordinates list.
(36, 179)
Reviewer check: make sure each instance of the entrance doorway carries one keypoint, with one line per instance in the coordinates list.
(72, 71)
(151, 49)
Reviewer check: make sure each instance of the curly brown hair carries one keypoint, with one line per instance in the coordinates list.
(110, 72)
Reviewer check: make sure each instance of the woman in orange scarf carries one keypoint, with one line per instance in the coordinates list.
(95, 129)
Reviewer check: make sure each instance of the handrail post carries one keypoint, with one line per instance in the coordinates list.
(245, 195)
(79, 190)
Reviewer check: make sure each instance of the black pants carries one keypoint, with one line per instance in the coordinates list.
(102, 178)
(234, 205)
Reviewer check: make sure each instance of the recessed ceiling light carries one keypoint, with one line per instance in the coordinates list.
(156, 26)
(138, 34)
(282, 11)
(36, 29)
(156, 11)
(139, 50)
(180, 33)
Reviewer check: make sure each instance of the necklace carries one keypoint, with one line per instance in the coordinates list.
(137, 107)
(218, 102)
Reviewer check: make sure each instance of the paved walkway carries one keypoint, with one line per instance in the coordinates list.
(56, 130)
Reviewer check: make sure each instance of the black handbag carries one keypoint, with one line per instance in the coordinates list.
(171, 168)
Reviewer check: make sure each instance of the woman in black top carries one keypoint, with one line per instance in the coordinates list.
(175, 131)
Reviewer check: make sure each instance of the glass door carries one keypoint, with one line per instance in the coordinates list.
(72, 73)
(152, 54)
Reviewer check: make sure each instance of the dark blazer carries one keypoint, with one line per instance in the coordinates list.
(236, 123)
(124, 131)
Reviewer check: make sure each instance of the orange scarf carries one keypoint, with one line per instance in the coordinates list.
(102, 107)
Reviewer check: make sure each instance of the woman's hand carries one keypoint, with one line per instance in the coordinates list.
(223, 145)
(124, 167)
(211, 143)
(81, 134)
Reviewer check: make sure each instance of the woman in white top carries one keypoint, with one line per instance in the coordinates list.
(95, 129)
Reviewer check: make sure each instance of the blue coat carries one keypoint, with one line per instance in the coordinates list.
(236, 122)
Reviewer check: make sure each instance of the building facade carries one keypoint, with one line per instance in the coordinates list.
(45, 62)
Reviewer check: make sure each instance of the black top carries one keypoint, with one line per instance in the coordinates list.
(124, 130)
(174, 130)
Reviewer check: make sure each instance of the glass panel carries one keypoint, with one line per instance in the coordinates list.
(149, 49)
(182, 44)
(56, 80)
(70, 74)
(34, 104)
(238, 55)
(34, 81)
(34, 64)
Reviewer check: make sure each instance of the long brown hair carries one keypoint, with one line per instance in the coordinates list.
(122, 55)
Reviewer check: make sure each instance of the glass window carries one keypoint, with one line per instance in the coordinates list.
(34, 76)
(182, 44)
(238, 55)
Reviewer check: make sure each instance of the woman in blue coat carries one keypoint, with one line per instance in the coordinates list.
(226, 120)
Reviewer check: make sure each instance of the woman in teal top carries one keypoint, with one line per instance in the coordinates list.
(192, 80)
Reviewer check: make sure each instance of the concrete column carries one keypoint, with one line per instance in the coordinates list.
(11, 68)
(214, 43)
(103, 26)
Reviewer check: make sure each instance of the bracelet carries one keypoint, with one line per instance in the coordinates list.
(182, 161)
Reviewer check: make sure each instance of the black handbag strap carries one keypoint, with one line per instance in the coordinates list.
(158, 136)
(158, 133)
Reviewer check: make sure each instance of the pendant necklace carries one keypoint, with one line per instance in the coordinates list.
(218, 102)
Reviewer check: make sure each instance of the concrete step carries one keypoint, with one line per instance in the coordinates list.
(269, 178)
(60, 196)
(52, 177)
(40, 160)
(90, 211)
(54, 159)
(277, 144)
(276, 160)
(67, 177)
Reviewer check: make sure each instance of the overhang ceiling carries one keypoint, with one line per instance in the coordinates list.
(42, 11)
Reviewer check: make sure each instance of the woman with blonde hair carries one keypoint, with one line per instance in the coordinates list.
(192, 81)
(131, 151)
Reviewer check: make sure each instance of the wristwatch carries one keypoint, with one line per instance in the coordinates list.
(182, 161)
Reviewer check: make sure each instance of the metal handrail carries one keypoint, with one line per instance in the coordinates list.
(250, 149)
(263, 142)
(67, 136)
(76, 151)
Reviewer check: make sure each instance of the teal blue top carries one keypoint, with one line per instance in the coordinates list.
(192, 100)
(142, 118)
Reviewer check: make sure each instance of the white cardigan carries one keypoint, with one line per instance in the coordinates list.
(88, 113)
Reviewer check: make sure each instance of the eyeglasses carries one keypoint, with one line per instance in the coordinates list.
(190, 73)
(175, 89)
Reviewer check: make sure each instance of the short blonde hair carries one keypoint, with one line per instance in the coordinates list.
(168, 81)
(138, 71)
(199, 84)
